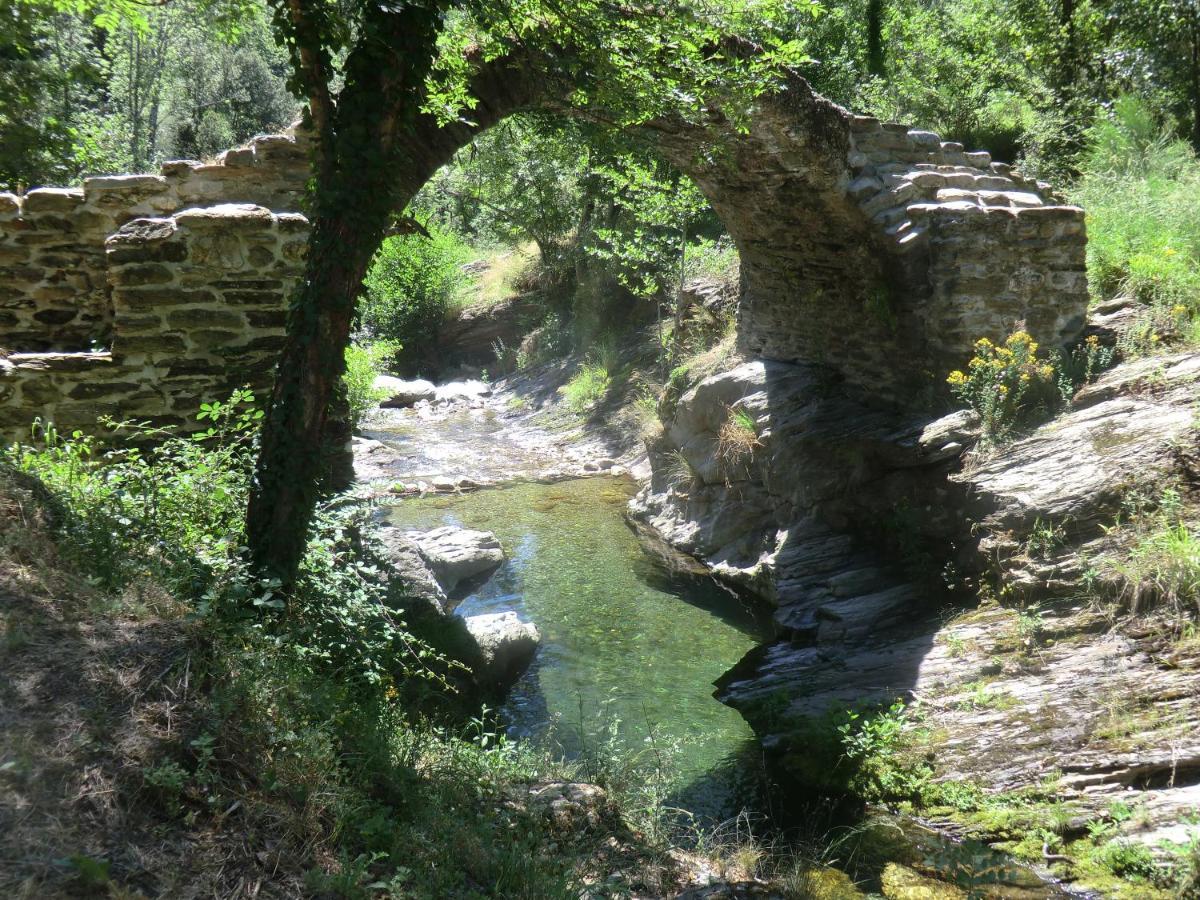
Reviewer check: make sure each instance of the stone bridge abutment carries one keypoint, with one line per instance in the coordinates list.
(876, 250)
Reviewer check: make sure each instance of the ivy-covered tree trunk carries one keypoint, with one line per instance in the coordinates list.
(374, 151)
(354, 194)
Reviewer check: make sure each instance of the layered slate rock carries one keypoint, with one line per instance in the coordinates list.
(506, 647)
(1056, 684)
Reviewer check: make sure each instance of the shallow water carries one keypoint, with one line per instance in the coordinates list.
(478, 443)
(624, 642)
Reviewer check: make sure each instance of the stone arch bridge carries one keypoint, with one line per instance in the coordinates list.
(877, 250)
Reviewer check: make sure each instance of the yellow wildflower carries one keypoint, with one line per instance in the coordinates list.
(956, 378)
(1093, 341)
(1170, 251)
(1179, 309)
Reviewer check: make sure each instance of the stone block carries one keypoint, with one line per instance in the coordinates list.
(93, 390)
(176, 168)
(272, 318)
(53, 317)
(205, 318)
(148, 298)
(52, 200)
(116, 190)
(291, 223)
(242, 157)
(137, 275)
(206, 339)
(260, 256)
(157, 345)
(53, 294)
(225, 215)
(924, 140)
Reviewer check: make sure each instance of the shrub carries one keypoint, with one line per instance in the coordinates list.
(1126, 859)
(156, 503)
(365, 363)
(1007, 385)
(1081, 365)
(410, 285)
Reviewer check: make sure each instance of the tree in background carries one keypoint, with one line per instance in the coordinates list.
(87, 94)
(50, 71)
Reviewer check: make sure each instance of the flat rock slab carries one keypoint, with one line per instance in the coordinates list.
(403, 393)
(456, 554)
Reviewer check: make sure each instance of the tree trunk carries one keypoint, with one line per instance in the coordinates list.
(295, 444)
(876, 63)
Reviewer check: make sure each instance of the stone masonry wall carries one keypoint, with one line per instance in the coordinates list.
(54, 290)
(875, 250)
(978, 247)
(198, 310)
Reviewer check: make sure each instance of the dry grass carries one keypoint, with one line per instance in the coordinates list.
(737, 440)
(498, 278)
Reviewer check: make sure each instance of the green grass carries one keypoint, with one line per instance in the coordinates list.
(1141, 190)
(587, 387)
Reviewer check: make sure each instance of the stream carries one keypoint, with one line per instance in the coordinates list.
(629, 650)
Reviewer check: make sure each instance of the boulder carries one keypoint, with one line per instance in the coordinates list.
(456, 391)
(456, 554)
(403, 393)
(506, 647)
(410, 582)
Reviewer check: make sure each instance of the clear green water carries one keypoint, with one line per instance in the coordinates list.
(622, 639)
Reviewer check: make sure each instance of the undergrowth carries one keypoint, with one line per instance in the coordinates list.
(336, 726)
(1140, 188)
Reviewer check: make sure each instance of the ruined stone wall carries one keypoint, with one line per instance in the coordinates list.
(974, 248)
(877, 251)
(54, 289)
(198, 309)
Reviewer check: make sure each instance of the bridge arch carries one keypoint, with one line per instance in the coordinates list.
(876, 250)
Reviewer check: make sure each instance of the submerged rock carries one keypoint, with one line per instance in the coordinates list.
(455, 555)
(506, 647)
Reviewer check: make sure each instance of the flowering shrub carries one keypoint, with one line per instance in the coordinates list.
(1007, 385)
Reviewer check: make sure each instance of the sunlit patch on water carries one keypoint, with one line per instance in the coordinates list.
(628, 648)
